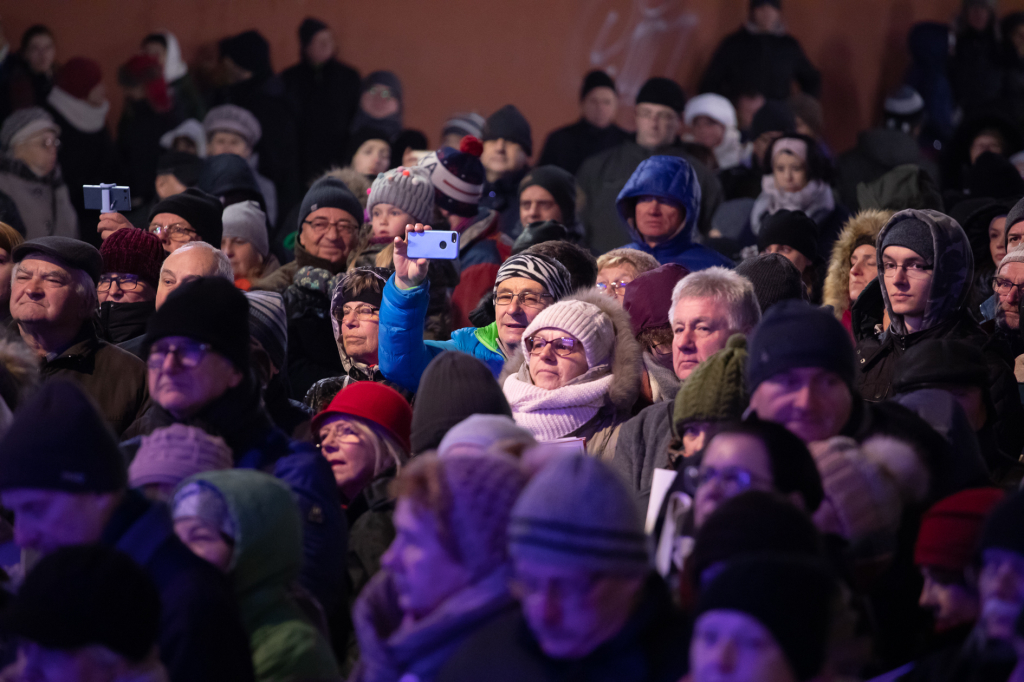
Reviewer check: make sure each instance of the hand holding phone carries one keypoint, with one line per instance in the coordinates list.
(410, 271)
(107, 198)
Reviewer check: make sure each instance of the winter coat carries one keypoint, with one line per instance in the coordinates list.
(138, 146)
(43, 203)
(325, 98)
(266, 560)
(9, 214)
(401, 350)
(864, 225)
(878, 151)
(649, 648)
(752, 61)
(570, 146)
(392, 650)
(643, 446)
(621, 387)
(502, 196)
(482, 250)
(120, 322)
(816, 200)
(660, 178)
(201, 637)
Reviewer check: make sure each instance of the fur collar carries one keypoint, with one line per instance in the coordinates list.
(866, 224)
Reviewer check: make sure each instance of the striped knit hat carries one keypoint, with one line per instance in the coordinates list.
(268, 324)
(577, 513)
(540, 269)
(406, 188)
(458, 176)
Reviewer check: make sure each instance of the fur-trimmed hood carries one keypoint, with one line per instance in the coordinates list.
(865, 225)
(627, 356)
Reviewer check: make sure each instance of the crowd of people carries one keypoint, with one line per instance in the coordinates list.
(703, 401)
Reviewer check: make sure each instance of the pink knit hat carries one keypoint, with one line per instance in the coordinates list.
(172, 454)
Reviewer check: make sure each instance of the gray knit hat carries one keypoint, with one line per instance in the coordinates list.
(911, 233)
(1015, 256)
(1015, 215)
(247, 221)
(268, 324)
(23, 124)
(576, 512)
(232, 118)
(409, 189)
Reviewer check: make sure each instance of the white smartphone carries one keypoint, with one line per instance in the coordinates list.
(433, 244)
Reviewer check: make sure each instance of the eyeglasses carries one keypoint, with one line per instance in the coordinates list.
(321, 225)
(124, 282)
(175, 232)
(47, 142)
(188, 354)
(563, 346)
(338, 432)
(734, 479)
(912, 270)
(381, 91)
(363, 312)
(527, 299)
(663, 349)
(1004, 286)
(523, 587)
(613, 287)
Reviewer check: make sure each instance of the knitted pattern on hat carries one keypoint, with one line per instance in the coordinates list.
(541, 269)
(1015, 256)
(585, 322)
(134, 252)
(458, 176)
(173, 453)
(716, 391)
(408, 189)
(23, 124)
(268, 324)
(774, 278)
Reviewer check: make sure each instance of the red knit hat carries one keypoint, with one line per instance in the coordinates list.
(134, 252)
(373, 402)
(145, 70)
(78, 76)
(951, 529)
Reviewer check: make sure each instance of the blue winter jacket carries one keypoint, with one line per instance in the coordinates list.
(672, 178)
(404, 355)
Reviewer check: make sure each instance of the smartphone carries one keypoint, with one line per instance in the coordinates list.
(119, 198)
(433, 244)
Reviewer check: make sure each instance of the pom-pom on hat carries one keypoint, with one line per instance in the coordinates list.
(457, 176)
(409, 189)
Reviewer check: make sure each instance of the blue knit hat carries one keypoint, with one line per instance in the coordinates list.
(458, 177)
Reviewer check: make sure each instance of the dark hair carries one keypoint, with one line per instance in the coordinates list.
(818, 166)
(31, 32)
(155, 38)
(580, 263)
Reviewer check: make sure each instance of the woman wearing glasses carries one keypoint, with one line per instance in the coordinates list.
(577, 372)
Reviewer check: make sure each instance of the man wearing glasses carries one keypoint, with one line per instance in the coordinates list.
(192, 216)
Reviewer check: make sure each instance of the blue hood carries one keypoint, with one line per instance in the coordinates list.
(662, 176)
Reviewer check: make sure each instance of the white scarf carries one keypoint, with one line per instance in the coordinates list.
(84, 116)
(815, 200)
(561, 411)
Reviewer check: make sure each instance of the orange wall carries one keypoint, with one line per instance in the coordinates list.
(480, 54)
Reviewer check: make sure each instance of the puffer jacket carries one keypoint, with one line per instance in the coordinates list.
(602, 430)
(666, 176)
(266, 560)
(864, 226)
(43, 203)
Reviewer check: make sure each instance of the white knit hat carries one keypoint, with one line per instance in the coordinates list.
(585, 321)
(713, 106)
(481, 431)
(409, 189)
(247, 221)
(1014, 256)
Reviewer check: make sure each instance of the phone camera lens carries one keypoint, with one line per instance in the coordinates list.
(454, 237)
(444, 245)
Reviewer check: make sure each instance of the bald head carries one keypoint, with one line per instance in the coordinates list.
(191, 261)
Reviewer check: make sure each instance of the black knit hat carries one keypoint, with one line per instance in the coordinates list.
(330, 193)
(209, 310)
(509, 124)
(790, 228)
(249, 50)
(560, 183)
(182, 165)
(1003, 528)
(87, 595)
(201, 210)
(453, 387)
(664, 91)
(792, 597)
(72, 252)
(910, 233)
(774, 278)
(795, 334)
(773, 116)
(595, 79)
(309, 28)
(992, 175)
(59, 441)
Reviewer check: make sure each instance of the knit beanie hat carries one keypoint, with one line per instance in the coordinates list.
(329, 193)
(59, 441)
(133, 252)
(1014, 256)
(85, 595)
(201, 500)
(795, 334)
(173, 453)
(560, 184)
(1016, 214)
(712, 105)
(1002, 527)
(249, 50)
(247, 221)
(663, 91)
(231, 118)
(201, 210)
(716, 390)
(649, 296)
(268, 324)
(951, 529)
(541, 269)
(911, 233)
(453, 387)
(790, 228)
(458, 177)
(182, 165)
(408, 189)
(905, 102)
(792, 597)
(208, 310)
(755, 521)
(772, 117)
(577, 513)
(481, 431)
(143, 70)
(308, 29)
(585, 322)
(509, 124)
(78, 76)
(374, 402)
(595, 79)
(23, 124)
(775, 279)
(471, 124)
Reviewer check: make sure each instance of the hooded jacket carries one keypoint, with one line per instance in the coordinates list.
(863, 226)
(878, 151)
(666, 177)
(266, 561)
(602, 430)
(482, 250)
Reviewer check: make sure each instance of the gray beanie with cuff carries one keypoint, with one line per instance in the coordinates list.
(408, 189)
(247, 221)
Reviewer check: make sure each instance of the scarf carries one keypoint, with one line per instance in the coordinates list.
(84, 116)
(551, 414)
(815, 200)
